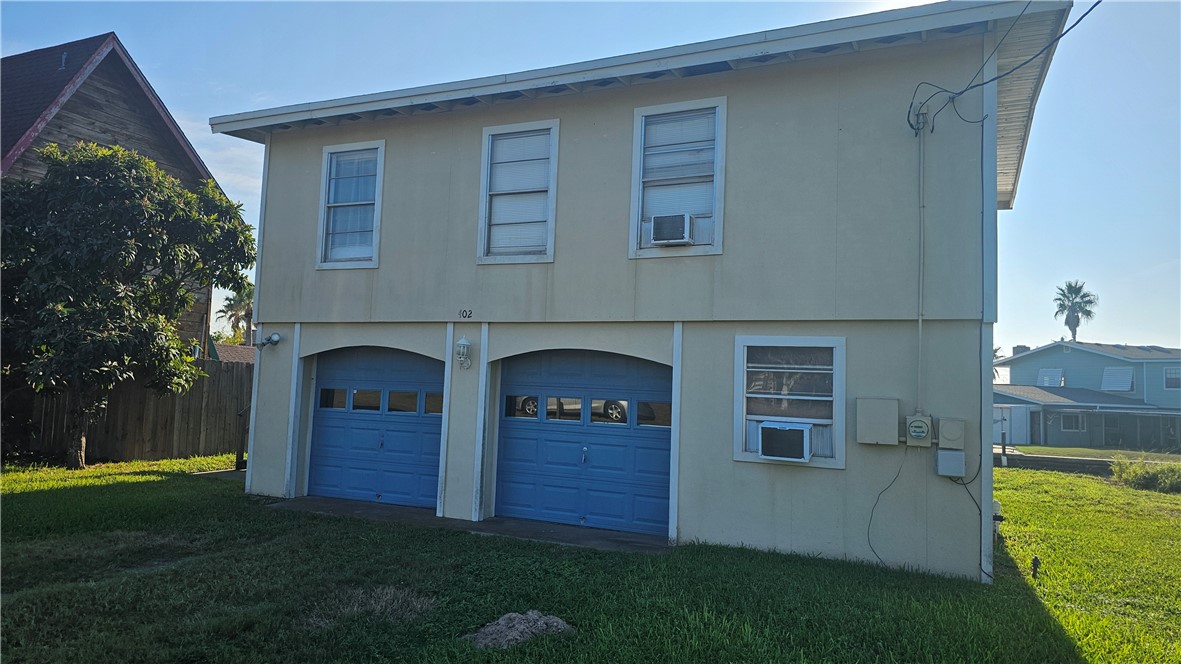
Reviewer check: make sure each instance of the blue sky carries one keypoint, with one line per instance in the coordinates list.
(1099, 198)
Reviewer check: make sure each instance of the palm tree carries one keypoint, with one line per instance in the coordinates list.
(1077, 304)
(238, 310)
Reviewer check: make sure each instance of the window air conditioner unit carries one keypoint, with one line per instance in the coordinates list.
(671, 230)
(785, 441)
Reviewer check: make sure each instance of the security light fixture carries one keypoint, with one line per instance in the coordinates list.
(270, 340)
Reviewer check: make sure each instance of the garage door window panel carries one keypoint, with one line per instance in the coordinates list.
(400, 401)
(654, 414)
(609, 411)
(366, 400)
(335, 398)
(433, 403)
(567, 409)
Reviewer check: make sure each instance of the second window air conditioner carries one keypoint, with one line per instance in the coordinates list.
(785, 441)
(672, 230)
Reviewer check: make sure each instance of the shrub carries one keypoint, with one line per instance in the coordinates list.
(1140, 474)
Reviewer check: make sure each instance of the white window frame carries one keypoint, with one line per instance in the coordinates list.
(634, 250)
(837, 344)
(482, 255)
(329, 150)
(1165, 377)
(1082, 422)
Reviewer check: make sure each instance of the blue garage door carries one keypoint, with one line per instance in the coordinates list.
(585, 439)
(377, 426)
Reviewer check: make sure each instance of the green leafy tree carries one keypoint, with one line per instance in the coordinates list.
(238, 311)
(98, 262)
(232, 338)
(1077, 304)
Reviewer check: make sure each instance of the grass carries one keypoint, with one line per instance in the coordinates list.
(1097, 452)
(1110, 560)
(144, 562)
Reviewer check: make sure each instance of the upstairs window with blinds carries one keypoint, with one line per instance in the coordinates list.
(678, 171)
(519, 178)
(351, 208)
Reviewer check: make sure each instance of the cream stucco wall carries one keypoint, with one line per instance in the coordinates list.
(821, 206)
(821, 239)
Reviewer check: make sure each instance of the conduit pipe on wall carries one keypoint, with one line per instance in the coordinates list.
(921, 122)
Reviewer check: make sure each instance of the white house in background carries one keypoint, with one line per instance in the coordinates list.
(694, 292)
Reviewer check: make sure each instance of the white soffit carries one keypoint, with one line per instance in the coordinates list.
(1016, 93)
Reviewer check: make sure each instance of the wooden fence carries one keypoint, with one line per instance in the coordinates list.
(211, 418)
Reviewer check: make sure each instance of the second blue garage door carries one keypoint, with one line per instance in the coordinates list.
(585, 439)
(376, 427)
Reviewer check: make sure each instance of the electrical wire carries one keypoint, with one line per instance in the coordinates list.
(912, 110)
(951, 97)
(869, 528)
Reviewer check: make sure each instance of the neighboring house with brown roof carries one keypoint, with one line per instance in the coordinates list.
(1078, 394)
(232, 353)
(91, 90)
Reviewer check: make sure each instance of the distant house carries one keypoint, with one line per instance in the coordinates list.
(1075, 394)
(91, 90)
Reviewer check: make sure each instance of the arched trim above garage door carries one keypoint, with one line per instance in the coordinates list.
(421, 338)
(647, 341)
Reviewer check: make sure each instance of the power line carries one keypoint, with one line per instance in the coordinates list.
(912, 110)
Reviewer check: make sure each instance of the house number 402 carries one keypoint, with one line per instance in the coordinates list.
(465, 313)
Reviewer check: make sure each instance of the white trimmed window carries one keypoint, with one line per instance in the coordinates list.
(678, 167)
(1074, 422)
(788, 391)
(1173, 378)
(518, 193)
(350, 205)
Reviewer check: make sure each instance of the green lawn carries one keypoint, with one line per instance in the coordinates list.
(1097, 453)
(143, 562)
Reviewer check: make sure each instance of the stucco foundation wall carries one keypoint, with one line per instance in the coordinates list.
(923, 521)
(271, 423)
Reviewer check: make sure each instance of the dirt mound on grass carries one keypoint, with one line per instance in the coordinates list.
(514, 628)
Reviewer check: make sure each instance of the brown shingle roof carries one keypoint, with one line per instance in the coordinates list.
(231, 353)
(1064, 396)
(30, 82)
(34, 86)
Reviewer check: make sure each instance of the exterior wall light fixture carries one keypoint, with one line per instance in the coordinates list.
(269, 340)
(463, 352)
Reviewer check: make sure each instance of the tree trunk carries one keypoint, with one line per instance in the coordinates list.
(248, 335)
(76, 453)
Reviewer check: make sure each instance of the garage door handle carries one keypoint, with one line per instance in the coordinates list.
(584, 455)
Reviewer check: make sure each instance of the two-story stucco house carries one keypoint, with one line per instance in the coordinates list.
(1076, 394)
(695, 292)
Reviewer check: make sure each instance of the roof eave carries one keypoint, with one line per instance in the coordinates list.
(832, 37)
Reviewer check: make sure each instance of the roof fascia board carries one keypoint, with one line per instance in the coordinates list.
(162, 110)
(815, 35)
(58, 102)
(1037, 94)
